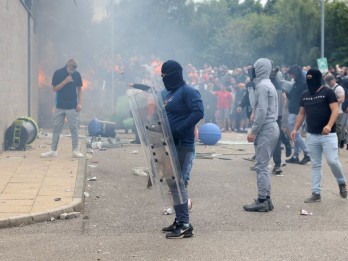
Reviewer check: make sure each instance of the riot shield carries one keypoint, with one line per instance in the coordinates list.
(155, 136)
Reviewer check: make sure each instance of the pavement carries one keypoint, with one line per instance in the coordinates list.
(35, 189)
(122, 219)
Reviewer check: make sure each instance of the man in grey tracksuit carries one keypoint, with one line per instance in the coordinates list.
(264, 132)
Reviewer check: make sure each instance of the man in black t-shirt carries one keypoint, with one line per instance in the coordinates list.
(67, 84)
(320, 108)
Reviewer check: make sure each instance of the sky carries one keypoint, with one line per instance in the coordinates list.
(100, 11)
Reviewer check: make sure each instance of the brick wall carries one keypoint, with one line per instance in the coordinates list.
(14, 69)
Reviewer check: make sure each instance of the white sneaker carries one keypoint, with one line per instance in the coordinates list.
(77, 154)
(49, 154)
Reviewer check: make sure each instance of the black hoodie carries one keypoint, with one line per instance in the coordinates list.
(298, 88)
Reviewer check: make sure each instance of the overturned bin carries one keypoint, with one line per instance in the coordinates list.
(22, 132)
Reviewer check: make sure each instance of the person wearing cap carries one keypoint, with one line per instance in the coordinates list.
(184, 108)
(67, 84)
(264, 133)
(340, 95)
(319, 106)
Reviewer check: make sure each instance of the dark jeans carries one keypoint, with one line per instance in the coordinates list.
(277, 154)
(185, 157)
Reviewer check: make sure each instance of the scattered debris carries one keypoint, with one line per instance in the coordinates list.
(16, 157)
(167, 211)
(86, 194)
(67, 190)
(134, 152)
(92, 179)
(53, 219)
(69, 215)
(141, 171)
(305, 213)
(85, 217)
(92, 166)
(57, 199)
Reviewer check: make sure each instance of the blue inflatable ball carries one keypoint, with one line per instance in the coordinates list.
(209, 134)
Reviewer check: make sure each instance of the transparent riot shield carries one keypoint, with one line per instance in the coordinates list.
(155, 135)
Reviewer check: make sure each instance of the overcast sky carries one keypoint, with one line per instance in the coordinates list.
(100, 11)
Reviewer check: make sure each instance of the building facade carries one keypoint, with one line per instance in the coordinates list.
(18, 66)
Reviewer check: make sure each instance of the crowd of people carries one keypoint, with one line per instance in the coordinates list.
(224, 91)
(259, 97)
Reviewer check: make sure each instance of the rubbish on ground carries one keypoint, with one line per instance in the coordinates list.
(86, 194)
(141, 171)
(57, 199)
(67, 190)
(134, 152)
(167, 211)
(92, 179)
(211, 156)
(92, 166)
(69, 215)
(305, 213)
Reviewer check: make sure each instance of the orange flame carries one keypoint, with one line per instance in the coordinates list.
(85, 84)
(41, 78)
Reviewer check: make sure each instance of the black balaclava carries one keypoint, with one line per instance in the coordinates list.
(252, 73)
(314, 80)
(172, 75)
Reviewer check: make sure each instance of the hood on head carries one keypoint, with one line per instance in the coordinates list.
(263, 69)
(172, 75)
(297, 71)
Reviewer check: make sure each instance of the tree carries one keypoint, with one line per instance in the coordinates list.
(336, 37)
(298, 38)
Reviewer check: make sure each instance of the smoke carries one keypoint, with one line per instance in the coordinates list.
(115, 42)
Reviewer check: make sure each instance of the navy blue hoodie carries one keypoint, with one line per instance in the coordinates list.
(183, 105)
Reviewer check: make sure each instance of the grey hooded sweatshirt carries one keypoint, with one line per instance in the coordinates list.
(266, 98)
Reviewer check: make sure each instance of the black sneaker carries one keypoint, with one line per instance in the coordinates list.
(170, 228)
(341, 144)
(181, 231)
(270, 204)
(277, 170)
(305, 160)
(343, 190)
(293, 160)
(314, 198)
(257, 206)
(288, 150)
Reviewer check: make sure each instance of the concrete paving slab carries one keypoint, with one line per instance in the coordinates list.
(35, 189)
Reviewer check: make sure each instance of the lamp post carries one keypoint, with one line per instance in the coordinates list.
(322, 28)
(112, 57)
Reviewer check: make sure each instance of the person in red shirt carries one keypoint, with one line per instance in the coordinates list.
(224, 104)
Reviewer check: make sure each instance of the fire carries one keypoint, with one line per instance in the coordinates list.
(41, 78)
(85, 84)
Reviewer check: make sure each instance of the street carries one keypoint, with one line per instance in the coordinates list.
(122, 219)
